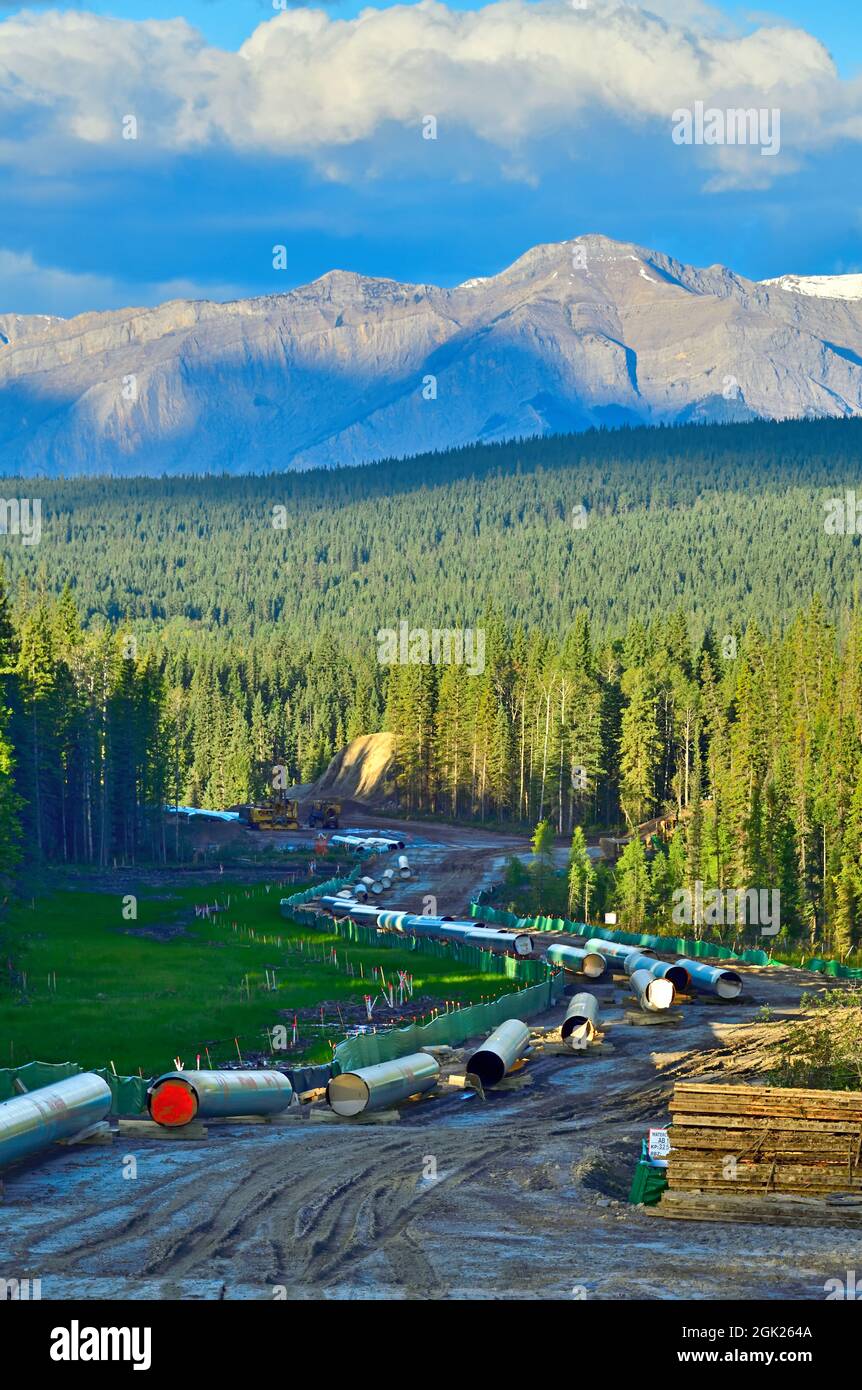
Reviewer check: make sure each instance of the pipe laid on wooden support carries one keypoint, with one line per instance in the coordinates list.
(653, 995)
(34, 1121)
(582, 1020)
(380, 1086)
(577, 958)
(499, 1053)
(179, 1097)
(725, 983)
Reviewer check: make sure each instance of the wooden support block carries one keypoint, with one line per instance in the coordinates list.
(240, 1119)
(783, 1209)
(148, 1129)
(377, 1117)
(642, 1019)
(282, 1117)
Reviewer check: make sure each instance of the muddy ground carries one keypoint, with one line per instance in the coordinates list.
(519, 1196)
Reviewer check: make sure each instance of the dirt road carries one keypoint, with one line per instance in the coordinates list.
(522, 1196)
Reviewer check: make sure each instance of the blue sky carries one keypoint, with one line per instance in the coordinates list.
(553, 120)
(228, 22)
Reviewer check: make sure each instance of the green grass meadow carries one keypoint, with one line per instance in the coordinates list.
(137, 1003)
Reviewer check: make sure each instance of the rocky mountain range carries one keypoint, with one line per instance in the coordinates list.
(351, 369)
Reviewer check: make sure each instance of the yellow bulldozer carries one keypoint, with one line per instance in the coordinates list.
(271, 815)
(324, 815)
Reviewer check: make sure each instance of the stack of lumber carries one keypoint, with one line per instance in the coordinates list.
(765, 1209)
(763, 1139)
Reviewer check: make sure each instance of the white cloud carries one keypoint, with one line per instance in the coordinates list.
(512, 74)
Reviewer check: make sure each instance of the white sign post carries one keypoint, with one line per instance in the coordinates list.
(658, 1147)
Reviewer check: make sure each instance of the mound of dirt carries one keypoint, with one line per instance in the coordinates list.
(363, 771)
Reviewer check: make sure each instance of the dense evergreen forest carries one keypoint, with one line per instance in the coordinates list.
(689, 641)
(725, 520)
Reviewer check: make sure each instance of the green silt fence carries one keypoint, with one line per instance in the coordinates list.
(454, 1028)
(128, 1093)
(696, 950)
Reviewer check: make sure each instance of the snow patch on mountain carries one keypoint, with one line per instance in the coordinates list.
(820, 286)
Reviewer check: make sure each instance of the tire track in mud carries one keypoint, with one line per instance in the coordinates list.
(294, 1209)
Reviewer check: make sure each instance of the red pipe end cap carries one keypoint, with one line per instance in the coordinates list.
(173, 1104)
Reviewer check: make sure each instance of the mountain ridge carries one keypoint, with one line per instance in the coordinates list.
(353, 368)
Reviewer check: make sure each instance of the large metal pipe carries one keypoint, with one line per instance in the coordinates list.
(34, 1121)
(478, 935)
(673, 971)
(367, 842)
(653, 995)
(499, 1053)
(474, 933)
(373, 885)
(519, 942)
(394, 921)
(616, 950)
(467, 930)
(589, 963)
(725, 983)
(660, 969)
(404, 870)
(179, 1097)
(636, 960)
(363, 912)
(332, 902)
(582, 1019)
(378, 1087)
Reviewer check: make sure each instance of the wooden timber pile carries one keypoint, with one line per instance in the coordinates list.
(759, 1140)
